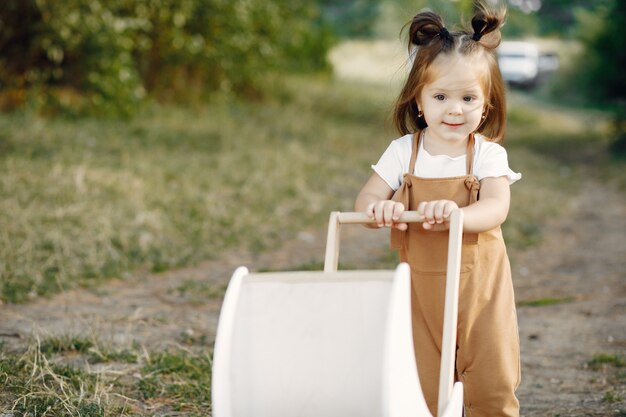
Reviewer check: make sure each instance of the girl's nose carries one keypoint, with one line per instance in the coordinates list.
(455, 108)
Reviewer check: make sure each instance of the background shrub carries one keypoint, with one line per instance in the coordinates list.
(103, 56)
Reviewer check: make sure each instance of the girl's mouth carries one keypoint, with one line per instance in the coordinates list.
(453, 124)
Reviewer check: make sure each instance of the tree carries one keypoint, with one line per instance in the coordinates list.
(103, 56)
(603, 63)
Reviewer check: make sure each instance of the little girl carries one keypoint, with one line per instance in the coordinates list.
(452, 113)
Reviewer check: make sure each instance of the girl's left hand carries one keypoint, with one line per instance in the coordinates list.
(435, 212)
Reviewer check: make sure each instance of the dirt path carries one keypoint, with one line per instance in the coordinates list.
(581, 262)
(169, 308)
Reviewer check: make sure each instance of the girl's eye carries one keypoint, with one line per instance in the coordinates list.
(440, 97)
(468, 98)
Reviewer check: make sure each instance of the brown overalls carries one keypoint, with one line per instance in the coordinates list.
(487, 361)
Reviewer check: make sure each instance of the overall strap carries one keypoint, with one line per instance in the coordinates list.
(417, 137)
(469, 155)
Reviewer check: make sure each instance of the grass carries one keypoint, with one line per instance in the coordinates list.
(610, 365)
(180, 379)
(38, 383)
(197, 292)
(612, 397)
(33, 385)
(607, 359)
(65, 344)
(542, 302)
(86, 200)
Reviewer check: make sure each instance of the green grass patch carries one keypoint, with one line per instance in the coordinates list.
(199, 291)
(35, 383)
(313, 265)
(612, 397)
(99, 355)
(607, 359)
(611, 367)
(92, 350)
(61, 344)
(547, 301)
(183, 379)
(32, 385)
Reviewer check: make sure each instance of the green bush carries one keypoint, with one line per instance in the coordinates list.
(105, 56)
(79, 56)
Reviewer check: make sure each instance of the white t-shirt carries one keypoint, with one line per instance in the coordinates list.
(490, 160)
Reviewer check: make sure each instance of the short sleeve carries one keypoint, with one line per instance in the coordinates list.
(394, 162)
(492, 161)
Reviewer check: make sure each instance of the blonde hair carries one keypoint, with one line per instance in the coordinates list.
(428, 38)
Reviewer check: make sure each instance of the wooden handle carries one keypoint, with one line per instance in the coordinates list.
(362, 218)
(451, 310)
(337, 218)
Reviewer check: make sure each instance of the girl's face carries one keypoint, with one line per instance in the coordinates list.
(454, 101)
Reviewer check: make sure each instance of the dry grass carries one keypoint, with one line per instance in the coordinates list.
(86, 200)
(104, 382)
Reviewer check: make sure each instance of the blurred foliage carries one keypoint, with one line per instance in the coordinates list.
(558, 17)
(103, 56)
(520, 24)
(395, 13)
(554, 18)
(352, 18)
(598, 71)
(604, 61)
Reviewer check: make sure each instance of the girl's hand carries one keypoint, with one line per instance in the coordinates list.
(435, 212)
(386, 213)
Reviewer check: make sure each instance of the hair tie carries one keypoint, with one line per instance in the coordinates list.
(476, 36)
(444, 34)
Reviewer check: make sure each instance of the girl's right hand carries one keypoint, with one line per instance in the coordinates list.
(386, 213)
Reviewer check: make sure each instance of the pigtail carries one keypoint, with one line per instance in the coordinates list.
(486, 25)
(426, 28)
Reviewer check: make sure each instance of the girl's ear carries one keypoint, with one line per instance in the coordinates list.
(420, 112)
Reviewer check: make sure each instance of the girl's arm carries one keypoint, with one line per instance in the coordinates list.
(374, 200)
(492, 207)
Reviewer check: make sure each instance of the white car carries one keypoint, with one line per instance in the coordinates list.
(522, 63)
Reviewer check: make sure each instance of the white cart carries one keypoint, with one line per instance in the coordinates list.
(331, 343)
